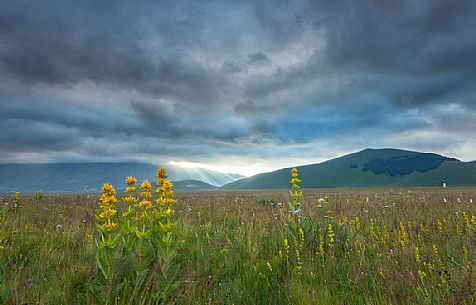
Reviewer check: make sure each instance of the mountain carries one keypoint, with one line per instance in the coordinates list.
(371, 168)
(193, 185)
(80, 177)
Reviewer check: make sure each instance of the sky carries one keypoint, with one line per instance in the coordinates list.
(235, 86)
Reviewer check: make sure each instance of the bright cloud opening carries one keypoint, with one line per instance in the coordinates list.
(246, 170)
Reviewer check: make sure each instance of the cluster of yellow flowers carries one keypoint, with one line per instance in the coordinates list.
(403, 235)
(146, 195)
(145, 227)
(131, 190)
(331, 235)
(107, 217)
(294, 222)
(303, 231)
(295, 180)
(165, 201)
(295, 208)
(150, 217)
(130, 200)
(17, 197)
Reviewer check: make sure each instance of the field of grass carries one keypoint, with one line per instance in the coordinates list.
(400, 246)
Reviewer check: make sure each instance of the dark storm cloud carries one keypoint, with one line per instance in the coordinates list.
(69, 42)
(427, 43)
(424, 49)
(195, 77)
(401, 36)
(258, 57)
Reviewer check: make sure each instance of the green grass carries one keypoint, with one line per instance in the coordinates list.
(227, 239)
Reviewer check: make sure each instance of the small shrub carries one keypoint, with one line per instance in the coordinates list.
(267, 202)
(38, 196)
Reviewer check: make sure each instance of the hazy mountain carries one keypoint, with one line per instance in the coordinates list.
(371, 168)
(80, 177)
(193, 185)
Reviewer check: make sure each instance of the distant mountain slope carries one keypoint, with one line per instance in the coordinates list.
(79, 177)
(371, 168)
(193, 185)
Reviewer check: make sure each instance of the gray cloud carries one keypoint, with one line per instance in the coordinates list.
(257, 57)
(197, 78)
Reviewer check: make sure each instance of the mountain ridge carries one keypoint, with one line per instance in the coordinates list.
(193, 185)
(88, 177)
(386, 167)
(394, 167)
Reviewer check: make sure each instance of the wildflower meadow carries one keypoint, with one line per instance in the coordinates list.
(141, 243)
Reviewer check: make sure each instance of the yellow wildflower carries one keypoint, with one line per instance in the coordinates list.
(161, 173)
(331, 234)
(168, 193)
(270, 268)
(169, 212)
(17, 197)
(146, 186)
(295, 180)
(146, 194)
(422, 274)
(107, 199)
(130, 200)
(417, 255)
(440, 226)
(131, 181)
(131, 190)
(166, 201)
(107, 214)
(166, 184)
(108, 189)
(286, 247)
(145, 204)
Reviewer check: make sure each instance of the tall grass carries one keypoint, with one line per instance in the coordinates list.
(360, 247)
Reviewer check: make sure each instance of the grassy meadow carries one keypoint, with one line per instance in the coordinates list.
(379, 246)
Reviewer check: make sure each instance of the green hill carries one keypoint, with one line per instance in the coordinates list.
(371, 168)
(193, 185)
